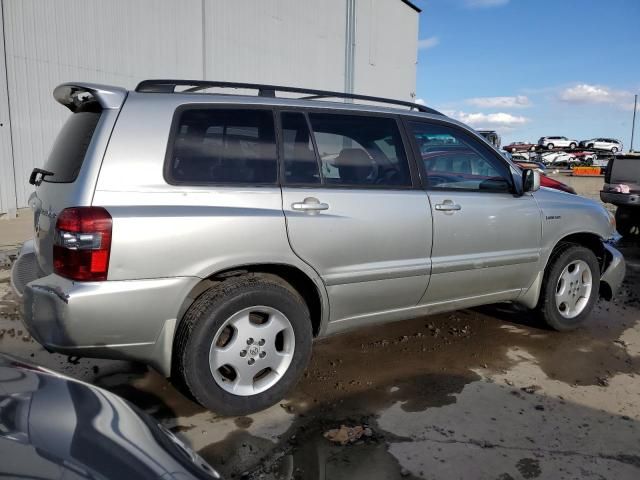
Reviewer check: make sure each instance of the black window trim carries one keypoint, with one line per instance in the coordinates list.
(173, 131)
(280, 138)
(413, 171)
(486, 148)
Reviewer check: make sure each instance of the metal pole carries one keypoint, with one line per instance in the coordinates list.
(633, 124)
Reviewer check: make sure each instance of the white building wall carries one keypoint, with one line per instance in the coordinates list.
(386, 49)
(286, 42)
(120, 42)
(7, 179)
(114, 42)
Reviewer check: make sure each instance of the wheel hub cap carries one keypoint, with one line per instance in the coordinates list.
(252, 350)
(574, 289)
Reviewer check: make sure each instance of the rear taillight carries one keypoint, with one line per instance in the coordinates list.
(82, 243)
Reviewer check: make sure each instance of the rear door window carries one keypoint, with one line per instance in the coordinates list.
(360, 151)
(70, 147)
(223, 146)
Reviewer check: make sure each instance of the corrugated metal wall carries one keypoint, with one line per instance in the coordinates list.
(120, 42)
(288, 42)
(386, 48)
(115, 42)
(7, 179)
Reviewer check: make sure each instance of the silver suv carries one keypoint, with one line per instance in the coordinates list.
(557, 142)
(214, 236)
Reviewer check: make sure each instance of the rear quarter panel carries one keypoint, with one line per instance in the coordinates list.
(162, 230)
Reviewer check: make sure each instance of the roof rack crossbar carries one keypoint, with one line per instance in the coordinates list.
(169, 86)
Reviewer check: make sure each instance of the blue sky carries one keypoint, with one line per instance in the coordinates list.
(529, 68)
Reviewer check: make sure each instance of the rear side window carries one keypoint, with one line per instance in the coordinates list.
(361, 151)
(223, 146)
(70, 148)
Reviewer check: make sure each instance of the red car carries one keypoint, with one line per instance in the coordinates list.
(552, 183)
(519, 147)
(547, 181)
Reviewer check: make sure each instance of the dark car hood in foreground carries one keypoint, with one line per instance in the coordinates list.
(52, 426)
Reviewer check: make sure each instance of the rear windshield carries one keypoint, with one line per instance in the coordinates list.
(626, 170)
(71, 145)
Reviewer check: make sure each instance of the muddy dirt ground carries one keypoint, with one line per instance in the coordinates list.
(480, 393)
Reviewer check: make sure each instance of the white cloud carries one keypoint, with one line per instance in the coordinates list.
(427, 43)
(420, 101)
(488, 120)
(518, 101)
(599, 94)
(485, 3)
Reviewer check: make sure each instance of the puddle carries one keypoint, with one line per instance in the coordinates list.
(311, 456)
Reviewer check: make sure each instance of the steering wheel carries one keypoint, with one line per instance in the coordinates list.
(435, 180)
(387, 176)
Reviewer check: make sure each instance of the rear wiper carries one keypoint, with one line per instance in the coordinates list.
(34, 180)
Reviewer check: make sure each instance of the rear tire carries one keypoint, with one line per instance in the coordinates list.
(549, 146)
(567, 296)
(572, 146)
(214, 357)
(624, 221)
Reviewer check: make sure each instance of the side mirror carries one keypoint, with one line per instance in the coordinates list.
(530, 180)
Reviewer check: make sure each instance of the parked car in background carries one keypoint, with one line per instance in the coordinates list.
(558, 158)
(54, 427)
(557, 142)
(622, 188)
(207, 235)
(520, 147)
(584, 156)
(492, 137)
(609, 144)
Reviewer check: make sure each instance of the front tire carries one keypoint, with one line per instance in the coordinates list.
(570, 287)
(614, 149)
(243, 344)
(549, 146)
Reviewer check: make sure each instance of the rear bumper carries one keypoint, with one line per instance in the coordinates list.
(613, 274)
(25, 269)
(129, 319)
(631, 199)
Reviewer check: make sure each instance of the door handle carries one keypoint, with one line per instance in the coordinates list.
(448, 206)
(310, 204)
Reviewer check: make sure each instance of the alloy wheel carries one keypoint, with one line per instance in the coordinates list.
(252, 350)
(574, 289)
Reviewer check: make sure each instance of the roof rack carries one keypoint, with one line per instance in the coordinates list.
(169, 86)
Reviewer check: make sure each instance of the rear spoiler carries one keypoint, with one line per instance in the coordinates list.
(73, 95)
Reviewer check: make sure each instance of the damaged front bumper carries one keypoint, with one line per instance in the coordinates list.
(613, 273)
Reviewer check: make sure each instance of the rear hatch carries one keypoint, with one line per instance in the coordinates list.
(624, 170)
(69, 175)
